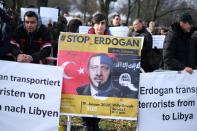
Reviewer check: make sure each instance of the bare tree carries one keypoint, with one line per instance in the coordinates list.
(155, 10)
(129, 11)
(42, 3)
(104, 5)
(131, 5)
(138, 8)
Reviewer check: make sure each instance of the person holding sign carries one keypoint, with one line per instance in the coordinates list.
(179, 52)
(32, 41)
(99, 27)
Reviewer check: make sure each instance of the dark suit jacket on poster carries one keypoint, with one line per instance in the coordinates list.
(85, 90)
(114, 92)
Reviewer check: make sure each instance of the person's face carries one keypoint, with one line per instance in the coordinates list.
(100, 27)
(30, 24)
(99, 73)
(116, 21)
(152, 28)
(137, 26)
(186, 26)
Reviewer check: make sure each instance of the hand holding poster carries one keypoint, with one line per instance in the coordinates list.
(168, 101)
(101, 75)
(30, 97)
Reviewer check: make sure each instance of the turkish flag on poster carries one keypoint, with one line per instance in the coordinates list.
(75, 70)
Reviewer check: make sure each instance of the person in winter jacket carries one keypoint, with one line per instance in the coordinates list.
(99, 27)
(32, 42)
(179, 52)
(140, 30)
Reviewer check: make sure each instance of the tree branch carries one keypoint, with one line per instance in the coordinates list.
(173, 10)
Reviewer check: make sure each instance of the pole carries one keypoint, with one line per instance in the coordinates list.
(68, 123)
(85, 10)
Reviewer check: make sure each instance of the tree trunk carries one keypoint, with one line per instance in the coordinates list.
(155, 10)
(129, 12)
(41, 3)
(85, 10)
(104, 6)
(17, 4)
(138, 8)
(13, 5)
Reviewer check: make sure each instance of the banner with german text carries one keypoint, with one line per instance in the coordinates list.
(30, 96)
(101, 75)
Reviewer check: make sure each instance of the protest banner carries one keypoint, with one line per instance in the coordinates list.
(24, 10)
(47, 14)
(158, 41)
(119, 31)
(30, 97)
(167, 101)
(101, 75)
(84, 29)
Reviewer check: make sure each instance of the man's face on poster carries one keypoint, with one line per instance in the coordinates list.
(99, 72)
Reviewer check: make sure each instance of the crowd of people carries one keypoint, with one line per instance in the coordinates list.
(32, 42)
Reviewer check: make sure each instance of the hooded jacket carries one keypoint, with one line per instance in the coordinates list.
(179, 49)
(37, 44)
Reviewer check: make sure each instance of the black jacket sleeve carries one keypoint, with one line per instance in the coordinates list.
(170, 62)
(45, 52)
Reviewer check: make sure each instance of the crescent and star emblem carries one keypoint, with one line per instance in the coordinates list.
(65, 64)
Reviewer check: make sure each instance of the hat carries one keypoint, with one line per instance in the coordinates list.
(186, 17)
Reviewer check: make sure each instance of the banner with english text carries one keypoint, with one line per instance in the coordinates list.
(101, 75)
(30, 96)
(167, 101)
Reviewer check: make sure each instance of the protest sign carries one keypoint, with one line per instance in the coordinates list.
(158, 41)
(101, 75)
(47, 13)
(84, 29)
(30, 97)
(115, 31)
(119, 31)
(167, 101)
(24, 10)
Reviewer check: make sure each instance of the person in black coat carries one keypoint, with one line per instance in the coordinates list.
(179, 52)
(140, 30)
(32, 41)
(5, 36)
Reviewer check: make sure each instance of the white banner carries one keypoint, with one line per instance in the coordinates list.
(114, 31)
(48, 14)
(119, 31)
(30, 96)
(167, 101)
(84, 29)
(158, 41)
